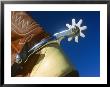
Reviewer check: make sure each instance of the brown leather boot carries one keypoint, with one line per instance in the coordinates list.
(24, 29)
(50, 61)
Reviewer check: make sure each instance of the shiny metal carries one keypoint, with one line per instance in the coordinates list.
(73, 31)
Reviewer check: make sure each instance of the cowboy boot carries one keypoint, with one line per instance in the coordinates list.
(23, 30)
(49, 61)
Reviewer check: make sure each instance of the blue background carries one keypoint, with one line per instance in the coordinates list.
(85, 55)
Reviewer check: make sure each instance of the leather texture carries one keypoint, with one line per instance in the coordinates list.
(24, 30)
